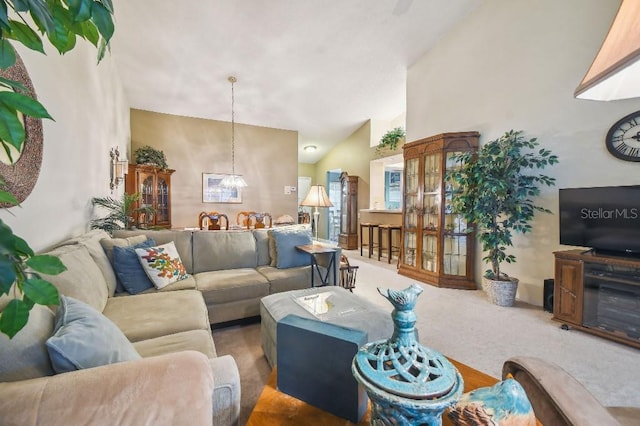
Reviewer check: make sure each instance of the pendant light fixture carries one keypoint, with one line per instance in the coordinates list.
(233, 180)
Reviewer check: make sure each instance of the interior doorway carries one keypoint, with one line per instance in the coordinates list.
(333, 213)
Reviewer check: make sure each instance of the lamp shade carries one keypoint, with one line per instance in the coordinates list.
(615, 71)
(317, 197)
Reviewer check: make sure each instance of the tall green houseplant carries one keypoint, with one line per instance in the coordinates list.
(24, 22)
(120, 213)
(495, 191)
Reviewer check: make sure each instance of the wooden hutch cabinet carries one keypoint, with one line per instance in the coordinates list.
(348, 238)
(155, 186)
(436, 249)
(599, 294)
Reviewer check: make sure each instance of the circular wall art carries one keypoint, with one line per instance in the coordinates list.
(21, 176)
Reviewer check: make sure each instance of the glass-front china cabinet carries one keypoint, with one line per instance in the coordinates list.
(436, 247)
(154, 185)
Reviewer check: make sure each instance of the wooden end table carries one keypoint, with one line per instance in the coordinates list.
(276, 408)
(315, 249)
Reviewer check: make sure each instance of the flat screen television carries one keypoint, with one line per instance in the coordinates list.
(606, 219)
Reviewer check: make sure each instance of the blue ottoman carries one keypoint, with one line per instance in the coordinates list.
(315, 365)
(348, 310)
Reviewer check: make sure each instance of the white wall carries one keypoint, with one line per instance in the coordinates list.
(514, 64)
(92, 116)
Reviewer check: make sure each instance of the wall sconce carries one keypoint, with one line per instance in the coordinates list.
(118, 168)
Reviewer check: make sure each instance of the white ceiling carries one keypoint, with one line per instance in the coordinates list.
(321, 67)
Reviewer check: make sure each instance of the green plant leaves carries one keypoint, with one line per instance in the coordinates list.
(40, 291)
(7, 54)
(495, 190)
(24, 104)
(80, 9)
(14, 317)
(25, 35)
(102, 19)
(46, 264)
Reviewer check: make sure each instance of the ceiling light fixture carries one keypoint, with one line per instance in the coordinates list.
(310, 148)
(233, 180)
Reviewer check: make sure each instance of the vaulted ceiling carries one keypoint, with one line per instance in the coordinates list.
(321, 67)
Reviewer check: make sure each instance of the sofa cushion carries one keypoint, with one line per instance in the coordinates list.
(109, 243)
(189, 283)
(181, 238)
(262, 246)
(82, 280)
(84, 338)
(131, 274)
(92, 241)
(145, 316)
(220, 250)
(287, 279)
(25, 356)
(162, 264)
(192, 340)
(231, 285)
(286, 241)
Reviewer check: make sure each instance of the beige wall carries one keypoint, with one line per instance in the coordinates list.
(352, 155)
(92, 116)
(514, 64)
(306, 169)
(266, 157)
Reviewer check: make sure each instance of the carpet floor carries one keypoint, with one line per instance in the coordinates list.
(462, 324)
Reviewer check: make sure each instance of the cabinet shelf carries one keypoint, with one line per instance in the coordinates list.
(431, 252)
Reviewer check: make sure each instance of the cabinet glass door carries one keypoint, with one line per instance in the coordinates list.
(431, 212)
(455, 235)
(162, 196)
(411, 208)
(146, 191)
(344, 210)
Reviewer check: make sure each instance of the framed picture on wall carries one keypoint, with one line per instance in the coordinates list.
(213, 192)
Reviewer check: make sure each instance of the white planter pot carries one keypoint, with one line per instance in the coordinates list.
(501, 292)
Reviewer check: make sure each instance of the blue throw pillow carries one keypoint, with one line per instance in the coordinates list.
(286, 241)
(84, 338)
(128, 269)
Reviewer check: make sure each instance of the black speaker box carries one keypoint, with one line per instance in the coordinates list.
(547, 301)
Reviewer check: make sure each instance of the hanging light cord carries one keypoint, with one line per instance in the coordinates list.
(233, 129)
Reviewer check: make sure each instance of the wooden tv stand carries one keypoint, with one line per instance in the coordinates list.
(599, 294)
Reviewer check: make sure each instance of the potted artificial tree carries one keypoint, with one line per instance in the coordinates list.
(494, 190)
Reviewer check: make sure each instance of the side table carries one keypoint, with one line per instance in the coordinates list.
(314, 250)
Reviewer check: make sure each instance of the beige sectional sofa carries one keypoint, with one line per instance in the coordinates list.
(234, 269)
(179, 378)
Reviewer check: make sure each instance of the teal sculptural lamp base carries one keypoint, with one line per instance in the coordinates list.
(407, 383)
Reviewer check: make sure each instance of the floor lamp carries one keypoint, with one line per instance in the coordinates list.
(316, 197)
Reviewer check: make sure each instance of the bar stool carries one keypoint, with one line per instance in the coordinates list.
(390, 247)
(370, 226)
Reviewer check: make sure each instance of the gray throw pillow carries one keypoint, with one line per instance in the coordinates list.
(84, 338)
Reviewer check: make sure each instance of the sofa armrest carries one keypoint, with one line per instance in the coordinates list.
(165, 390)
(226, 391)
(556, 396)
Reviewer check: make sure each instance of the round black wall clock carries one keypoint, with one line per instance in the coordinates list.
(623, 139)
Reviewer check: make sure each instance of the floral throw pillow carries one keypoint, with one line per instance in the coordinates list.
(162, 264)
